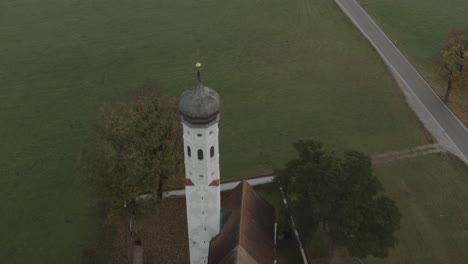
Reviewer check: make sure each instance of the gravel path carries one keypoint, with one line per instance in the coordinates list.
(376, 159)
(407, 153)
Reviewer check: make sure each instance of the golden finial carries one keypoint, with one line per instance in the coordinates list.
(198, 66)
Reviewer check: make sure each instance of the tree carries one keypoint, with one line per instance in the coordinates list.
(139, 149)
(452, 61)
(340, 196)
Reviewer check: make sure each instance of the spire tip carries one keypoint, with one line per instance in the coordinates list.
(198, 66)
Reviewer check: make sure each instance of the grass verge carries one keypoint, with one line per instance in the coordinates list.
(419, 29)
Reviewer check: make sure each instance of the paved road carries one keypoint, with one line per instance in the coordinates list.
(453, 128)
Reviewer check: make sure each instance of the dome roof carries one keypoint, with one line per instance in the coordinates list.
(199, 104)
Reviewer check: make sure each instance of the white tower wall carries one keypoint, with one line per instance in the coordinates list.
(203, 197)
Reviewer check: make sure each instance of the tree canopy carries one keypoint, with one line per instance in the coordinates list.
(341, 196)
(452, 61)
(139, 148)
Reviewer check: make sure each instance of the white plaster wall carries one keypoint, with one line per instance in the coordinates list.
(203, 201)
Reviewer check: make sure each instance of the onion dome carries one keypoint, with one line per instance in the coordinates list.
(199, 104)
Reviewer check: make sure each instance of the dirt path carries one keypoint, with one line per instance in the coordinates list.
(406, 153)
(376, 160)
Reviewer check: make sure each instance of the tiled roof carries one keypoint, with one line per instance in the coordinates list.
(248, 234)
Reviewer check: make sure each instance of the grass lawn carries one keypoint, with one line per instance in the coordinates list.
(432, 194)
(419, 28)
(285, 70)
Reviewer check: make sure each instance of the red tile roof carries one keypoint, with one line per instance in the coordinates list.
(248, 234)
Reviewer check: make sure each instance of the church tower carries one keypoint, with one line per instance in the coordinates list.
(199, 109)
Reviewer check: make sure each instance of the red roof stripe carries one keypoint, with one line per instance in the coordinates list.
(188, 182)
(214, 183)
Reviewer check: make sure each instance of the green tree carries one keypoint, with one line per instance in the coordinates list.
(340, 196)
(139, 149)
(452, 61)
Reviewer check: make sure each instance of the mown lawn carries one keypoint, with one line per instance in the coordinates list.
(419, 28)
(432, 194)
(285, 70)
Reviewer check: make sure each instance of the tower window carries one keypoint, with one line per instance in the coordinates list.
(201, 176)
(189, 151)
(200, 154)
(211, 132)
(199, 135)
(212, 152)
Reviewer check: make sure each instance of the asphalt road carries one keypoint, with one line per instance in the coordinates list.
(450, 124)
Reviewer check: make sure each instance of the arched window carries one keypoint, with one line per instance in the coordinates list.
(200, 154)
(212, 152)
(189, 151)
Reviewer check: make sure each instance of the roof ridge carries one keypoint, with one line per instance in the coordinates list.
(263, 199)
(237, 253)
(241, 216)
(232, 191)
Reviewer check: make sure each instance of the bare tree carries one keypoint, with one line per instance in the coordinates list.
(452, 61)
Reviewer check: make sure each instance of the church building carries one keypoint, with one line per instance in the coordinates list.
(238, 229)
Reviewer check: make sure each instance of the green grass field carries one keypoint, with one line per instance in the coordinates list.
(285, 70)
(432, 195)
(419, 28)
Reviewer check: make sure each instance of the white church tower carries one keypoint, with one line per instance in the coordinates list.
(199, 109)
